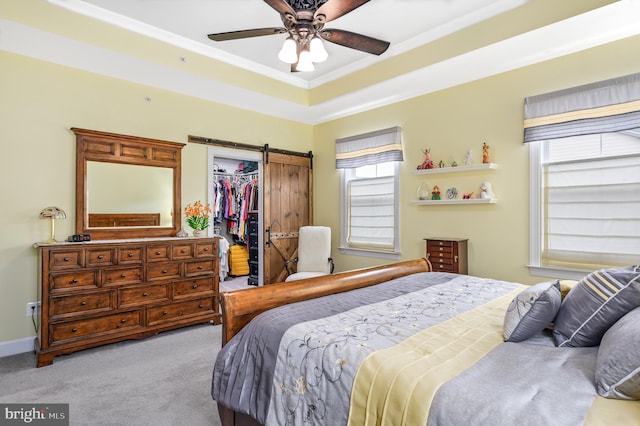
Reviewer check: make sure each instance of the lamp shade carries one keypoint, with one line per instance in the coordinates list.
(53, 213)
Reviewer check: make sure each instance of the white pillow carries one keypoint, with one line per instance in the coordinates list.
(531, 311)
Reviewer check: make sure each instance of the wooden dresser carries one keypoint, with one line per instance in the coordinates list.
(447, 255)
(106, 291)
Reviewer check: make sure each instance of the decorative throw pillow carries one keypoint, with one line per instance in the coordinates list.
(595, 304)
(618, 366)
(531, 311)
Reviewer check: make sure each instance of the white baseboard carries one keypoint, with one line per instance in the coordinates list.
(14, 347)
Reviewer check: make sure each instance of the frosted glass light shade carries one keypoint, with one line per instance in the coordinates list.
(317, 50)
(305, 63)
(288, 53)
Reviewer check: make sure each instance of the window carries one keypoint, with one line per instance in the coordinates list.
(369, 210)
(585, 204)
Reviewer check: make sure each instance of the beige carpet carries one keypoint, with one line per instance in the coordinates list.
(162, 380)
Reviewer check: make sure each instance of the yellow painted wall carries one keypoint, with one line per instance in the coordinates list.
(39, 103)
(450, 122)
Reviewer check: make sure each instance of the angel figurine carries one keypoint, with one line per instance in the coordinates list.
(427, 163)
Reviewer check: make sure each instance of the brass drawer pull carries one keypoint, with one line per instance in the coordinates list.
(123, 320)
(164, 312)
(206, 249)
(201, 306)
(158, 253)
(83, 303)
(66, 259)
(73, 330)
(101, 256)
(74, 281)
(130, 254)
(183, 251)
(195, 286)
(199, 267)
(164, 271)
(123, 276)
(145, 294)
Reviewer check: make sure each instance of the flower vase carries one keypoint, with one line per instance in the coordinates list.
(199, 232)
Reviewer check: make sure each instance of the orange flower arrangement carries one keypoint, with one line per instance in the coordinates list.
(197, 215)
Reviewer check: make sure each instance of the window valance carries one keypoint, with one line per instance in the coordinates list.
(606, 106)
(369, 148)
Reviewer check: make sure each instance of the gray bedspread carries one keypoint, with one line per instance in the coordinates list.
(296, 364)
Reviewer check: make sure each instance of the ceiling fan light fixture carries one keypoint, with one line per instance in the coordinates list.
(317, 50)
(288, 54)
(305, 63)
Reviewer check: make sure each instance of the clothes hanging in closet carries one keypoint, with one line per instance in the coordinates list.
(234, 197)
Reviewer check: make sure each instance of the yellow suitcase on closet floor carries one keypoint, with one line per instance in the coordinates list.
(238, 260)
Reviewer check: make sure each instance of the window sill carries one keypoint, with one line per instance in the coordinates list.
(557, 272)
(370, 253)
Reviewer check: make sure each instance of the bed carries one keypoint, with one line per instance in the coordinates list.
(399, 344)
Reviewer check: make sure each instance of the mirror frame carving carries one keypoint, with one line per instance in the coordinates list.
(92, 145)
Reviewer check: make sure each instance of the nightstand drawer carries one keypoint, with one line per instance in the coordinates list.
(99, 257)
(130, 255)
(205, 250)
(158, 252)
(182, 251)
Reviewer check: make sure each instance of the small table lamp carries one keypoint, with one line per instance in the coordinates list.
(53, 213)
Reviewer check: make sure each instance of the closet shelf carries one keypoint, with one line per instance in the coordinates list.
(483, 166)
(458, 201)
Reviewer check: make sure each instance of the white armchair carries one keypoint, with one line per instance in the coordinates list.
(314, 253)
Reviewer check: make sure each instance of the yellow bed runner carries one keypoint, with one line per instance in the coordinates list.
(396, 385)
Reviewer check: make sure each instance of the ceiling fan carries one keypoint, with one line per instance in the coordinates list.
(304, 21)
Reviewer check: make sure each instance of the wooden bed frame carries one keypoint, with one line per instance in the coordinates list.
(240, 306)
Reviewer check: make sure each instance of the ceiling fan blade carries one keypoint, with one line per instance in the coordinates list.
(333, 9)
(234, 35)
(283, 8)
(355, 41)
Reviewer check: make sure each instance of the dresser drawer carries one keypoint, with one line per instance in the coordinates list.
(66, 259)
(85, 328)
(443, 267)
(140, 295)
(87, 303)
(182, 251)
(75, 280)
(158, 252)
(199, 268)
(206, 250)
(433, 249)
(130, 255)
(105, 257)
(177, 311)
(122, 276)
(193, 288)
(162, 271)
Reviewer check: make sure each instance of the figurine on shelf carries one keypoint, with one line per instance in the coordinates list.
(454, 164)
(485, 153)
(467, 160)
(485, 191)
(427, 163)
(467, 196)
(441, 164)
(435, 193)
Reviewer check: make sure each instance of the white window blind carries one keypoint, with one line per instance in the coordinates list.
(371, 213)
(591, 193)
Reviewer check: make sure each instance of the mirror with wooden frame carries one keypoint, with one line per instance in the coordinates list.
(126, 186)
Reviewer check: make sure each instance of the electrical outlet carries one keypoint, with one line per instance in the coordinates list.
(30, 309)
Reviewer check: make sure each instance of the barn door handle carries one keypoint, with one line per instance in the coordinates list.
(268, 231)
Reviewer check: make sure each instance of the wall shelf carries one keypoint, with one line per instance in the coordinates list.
(483, 166)
(457, 201)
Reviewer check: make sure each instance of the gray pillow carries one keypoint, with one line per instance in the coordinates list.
(531, 311)
(595, 304)
(618, 366)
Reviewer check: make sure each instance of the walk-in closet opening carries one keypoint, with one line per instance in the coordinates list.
(235, 197)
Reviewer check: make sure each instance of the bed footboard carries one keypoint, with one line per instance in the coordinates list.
(240, 306)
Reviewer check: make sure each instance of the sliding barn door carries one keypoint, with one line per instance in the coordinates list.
(288, 202)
